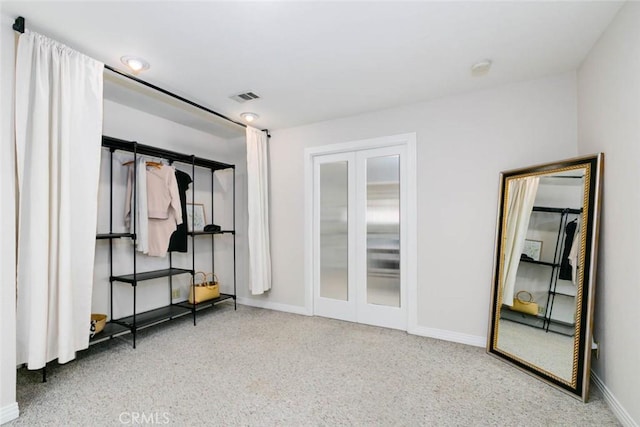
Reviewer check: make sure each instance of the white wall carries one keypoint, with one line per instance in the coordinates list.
(609, 121)
(463, 142)
(8, 405)
(126, 123)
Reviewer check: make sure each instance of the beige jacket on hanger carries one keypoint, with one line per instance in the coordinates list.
(163, 204)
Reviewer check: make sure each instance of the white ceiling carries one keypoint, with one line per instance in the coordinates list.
(315, 61)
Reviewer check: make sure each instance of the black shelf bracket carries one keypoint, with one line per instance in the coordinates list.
(18, 25)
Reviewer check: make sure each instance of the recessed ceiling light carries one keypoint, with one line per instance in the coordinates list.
(135, 63)
(249, 116)
(481, 68)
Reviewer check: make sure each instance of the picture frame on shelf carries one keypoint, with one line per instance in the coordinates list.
(196, 219)
(532, 249)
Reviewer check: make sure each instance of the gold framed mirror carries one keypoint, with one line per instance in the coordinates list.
(541, 317)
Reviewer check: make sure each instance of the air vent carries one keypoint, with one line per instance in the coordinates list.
(244, 97)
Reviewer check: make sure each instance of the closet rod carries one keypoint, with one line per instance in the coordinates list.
(173, 95)
(147, 150)
(19, 27)
(556, 210)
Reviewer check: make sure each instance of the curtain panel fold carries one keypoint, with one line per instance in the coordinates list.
(258, 208)
(522, 194)
(58, 123)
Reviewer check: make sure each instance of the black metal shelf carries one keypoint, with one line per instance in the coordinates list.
(208, 233)
(562, 294)
(531, 261)
(205, 304)
(125, 325)
(533, 317)
(557, 326)
(141, 149)
(556, 210)
(114, 236)
(110, 329)
(148, 275)
(151, 317)
(524, 315)
(562, 322)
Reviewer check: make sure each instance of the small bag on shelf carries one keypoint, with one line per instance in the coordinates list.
(524, 303)
(204, 290)
(98, 321)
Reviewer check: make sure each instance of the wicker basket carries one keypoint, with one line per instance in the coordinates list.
(205, 290)
(97, 323)
(528, 306)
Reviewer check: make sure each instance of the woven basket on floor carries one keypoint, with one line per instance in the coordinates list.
(97, 323)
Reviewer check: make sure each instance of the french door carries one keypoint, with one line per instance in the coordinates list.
(359, 236)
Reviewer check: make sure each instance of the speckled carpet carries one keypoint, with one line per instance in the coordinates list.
(256, 367)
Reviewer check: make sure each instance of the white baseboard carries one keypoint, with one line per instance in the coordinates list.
(457, 337)
(441, 334)
(617, 409)
(9, 413)
(260, 303)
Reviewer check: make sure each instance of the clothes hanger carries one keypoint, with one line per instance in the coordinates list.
(156, 165)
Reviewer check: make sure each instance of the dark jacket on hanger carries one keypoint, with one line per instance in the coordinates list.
(565, 267)
(178, 242)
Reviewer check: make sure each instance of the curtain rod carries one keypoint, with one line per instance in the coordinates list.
(173, 95)
(19, 27)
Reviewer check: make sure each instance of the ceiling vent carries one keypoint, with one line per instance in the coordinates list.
(244, 97)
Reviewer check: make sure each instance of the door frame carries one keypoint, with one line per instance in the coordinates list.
(409, 141)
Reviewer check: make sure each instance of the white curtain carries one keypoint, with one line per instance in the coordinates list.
(58, 142)
(521, 196)
(258, 201)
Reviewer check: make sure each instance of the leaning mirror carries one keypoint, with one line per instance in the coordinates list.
(544, 271)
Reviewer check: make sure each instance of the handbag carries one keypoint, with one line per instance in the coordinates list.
(98, 321)
(205, 290)
(527, 306)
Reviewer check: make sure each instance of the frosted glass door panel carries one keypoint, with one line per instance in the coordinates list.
(383, 230)
(334, 237)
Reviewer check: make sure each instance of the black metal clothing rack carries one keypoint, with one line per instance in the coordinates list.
(557, 260)
(140, 320)
(545, 320)
(131, 324)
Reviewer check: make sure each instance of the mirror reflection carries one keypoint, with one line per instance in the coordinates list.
(544, 254)
(541, 264)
